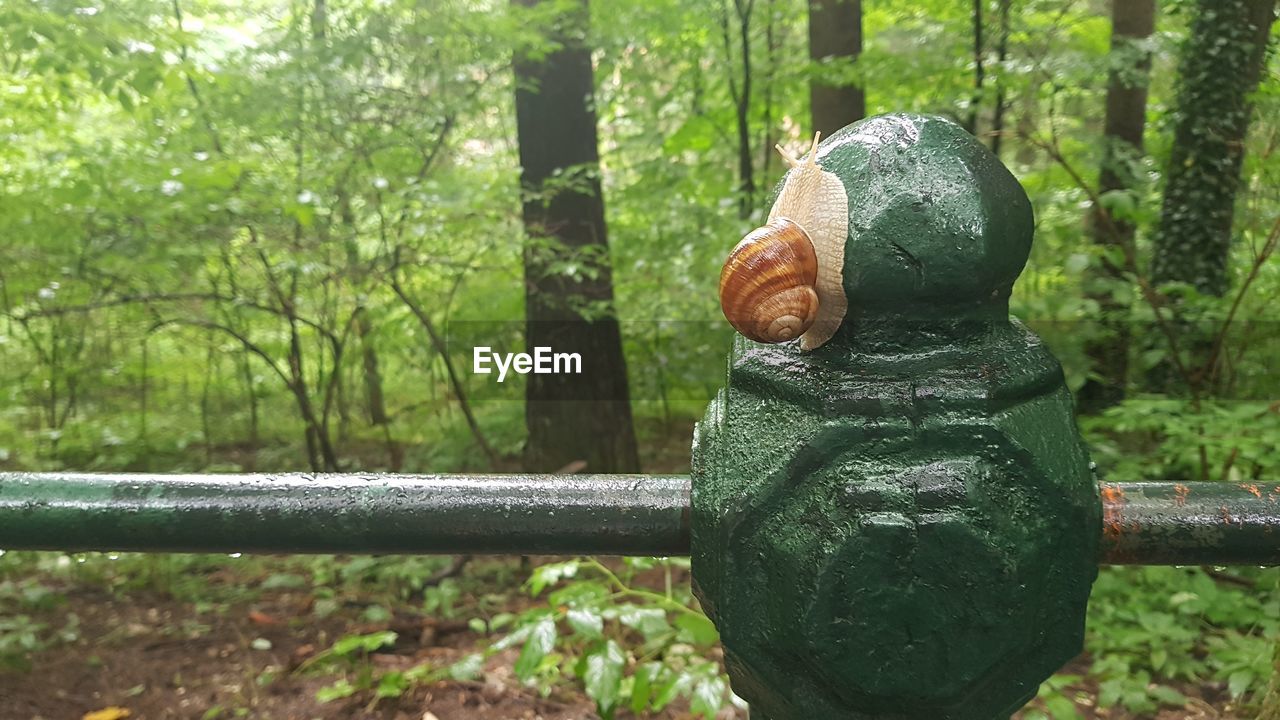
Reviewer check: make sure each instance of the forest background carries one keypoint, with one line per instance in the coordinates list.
(265, 236)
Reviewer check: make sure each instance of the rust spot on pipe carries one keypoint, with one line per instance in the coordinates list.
(1180, 494)
(1113, 502)
(1253, 489)
(1226, 514)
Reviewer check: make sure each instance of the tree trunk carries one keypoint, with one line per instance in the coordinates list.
(979, 72)
(1221, 64)
(143, 440)
(773, 44)
(1132, 22)
(835, 33)
(374, 398)
(746, 170)
(1002, 53)
(569, 417)
(246, 372)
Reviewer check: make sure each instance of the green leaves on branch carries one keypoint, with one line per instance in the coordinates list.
(627, 646)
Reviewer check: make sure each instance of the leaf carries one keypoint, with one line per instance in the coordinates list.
(551, 574)
(1061, 708)
(708, 696)
(1076, 263)
(468, 668)
(542, 637)
(1238, 682)
(1158, 658)
(585, 592)
(670, 688)
(603, 676)
(1152, 357)
(107, 713)
(1120, 203)
(1167, 695)
(392, 685)
(697, 629)
(365, 643)
(649, 621)
(642, 686)
(337, 691)
(586, 622)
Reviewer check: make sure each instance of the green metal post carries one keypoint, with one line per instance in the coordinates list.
(895, 518)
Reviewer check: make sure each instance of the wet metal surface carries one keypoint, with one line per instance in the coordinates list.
(355, 513)
(1196, 523)
(901, 523)
(1150, 523)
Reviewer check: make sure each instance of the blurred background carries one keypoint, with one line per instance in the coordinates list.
(265, 235)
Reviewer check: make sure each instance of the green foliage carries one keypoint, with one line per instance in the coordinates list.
(182, 198)
(350, 656)
(1232, 440)
(22, 633)
(626, 646)
(1152, 626)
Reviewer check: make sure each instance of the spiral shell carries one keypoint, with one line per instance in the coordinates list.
(767, 286)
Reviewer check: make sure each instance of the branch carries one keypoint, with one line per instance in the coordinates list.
(1268, 248)
(248, 344)
(1153, 296)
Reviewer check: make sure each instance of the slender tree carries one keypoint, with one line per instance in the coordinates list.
(1002, 54)
(1132, 22)
(571, 418)
(740, 91)
(979, 70)
(1221, 64)
(835, 35)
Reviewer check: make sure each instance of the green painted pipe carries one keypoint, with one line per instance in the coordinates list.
(1149, 523)
(355, 513)
(1195, 523)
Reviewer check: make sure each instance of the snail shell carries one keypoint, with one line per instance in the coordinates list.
(767, 286)
(774, 286)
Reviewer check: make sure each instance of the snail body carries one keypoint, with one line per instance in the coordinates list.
(785, 279)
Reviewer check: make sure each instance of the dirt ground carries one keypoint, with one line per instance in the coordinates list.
(162, 659)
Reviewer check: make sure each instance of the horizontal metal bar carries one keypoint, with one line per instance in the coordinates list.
(355, 513)
(1149, 523)
(1195, 523)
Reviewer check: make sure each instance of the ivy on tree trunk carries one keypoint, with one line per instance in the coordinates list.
(1221, 64)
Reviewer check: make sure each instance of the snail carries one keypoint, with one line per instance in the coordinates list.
(785, 280)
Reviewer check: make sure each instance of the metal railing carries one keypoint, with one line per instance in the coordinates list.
(1145, 523)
